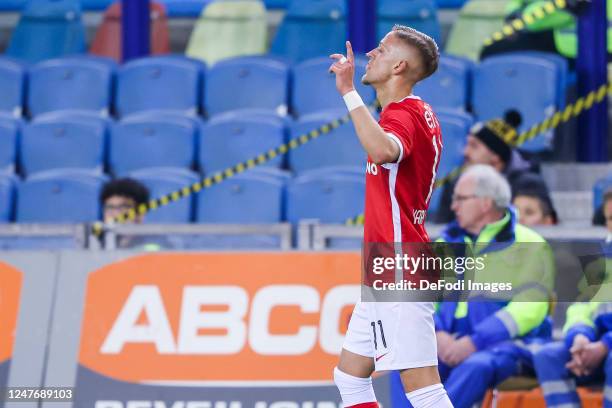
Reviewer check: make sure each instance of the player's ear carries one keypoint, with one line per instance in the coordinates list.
(487, 204)
(401, 67)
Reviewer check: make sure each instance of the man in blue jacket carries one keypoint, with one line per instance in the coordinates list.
(584, 355)
(483, 342)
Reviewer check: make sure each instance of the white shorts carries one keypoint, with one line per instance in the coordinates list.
(397, 335)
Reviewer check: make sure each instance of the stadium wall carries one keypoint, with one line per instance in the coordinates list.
(181, 330)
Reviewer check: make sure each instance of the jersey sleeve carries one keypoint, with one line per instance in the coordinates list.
(397, 123)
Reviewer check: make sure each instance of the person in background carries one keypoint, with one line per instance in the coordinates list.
(481, 343)
(119, 196)
(582, 357)
(532, 201)
(555, 33)
(489, 143)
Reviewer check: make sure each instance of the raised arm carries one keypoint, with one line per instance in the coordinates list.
(379, 146)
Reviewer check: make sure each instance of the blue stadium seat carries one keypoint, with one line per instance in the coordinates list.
(449, 87)
(347, 171)
(276, 4)
(70, 83)
(455, 128)
(314, 89)
(450, 3)
(7, 197)
(247, 82)
(85, 116)
(566, 78)
(161, 181)
(418, 14)
(254, 113)
(330, 198)
(141, 141)
(340, 147)
(59, 197)
(184, 8)
(48, 29)
(311, 29)
(243, 199)
(96, 5)
(9, 131)
(529, 84)
(12, 86)
(12, 5)
(170, 83)
(63, 143)
(227, 141)
(271, 172)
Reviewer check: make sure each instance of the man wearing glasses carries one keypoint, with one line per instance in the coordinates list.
(483, 342)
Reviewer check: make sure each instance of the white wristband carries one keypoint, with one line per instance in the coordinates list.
(353, 100)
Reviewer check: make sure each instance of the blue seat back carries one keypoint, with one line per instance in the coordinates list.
(565, 78)
(247, 82)
(418, 14)
(314, 88)
(516, 77)
(185, 8)
(63, 143)
(226, 141)
(151, 83)
(12, 86)
(340, 147)
(9, 132)
(48, 29)
(311, 29)
(7, 197)
(243, 199)
(12, 5)
(276, 4)
(70, 83)
(451, 4)
(66, 198)
(141, 142)
(449, 86)
(96, 5)
(329, 198)
(162, 181)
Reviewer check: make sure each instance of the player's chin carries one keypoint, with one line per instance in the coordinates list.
(365, 80)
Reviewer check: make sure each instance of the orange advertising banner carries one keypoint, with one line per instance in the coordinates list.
(10, 290)
(219, 317)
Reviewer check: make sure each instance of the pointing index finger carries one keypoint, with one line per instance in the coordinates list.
(349, 52)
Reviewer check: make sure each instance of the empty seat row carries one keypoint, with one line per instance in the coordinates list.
(174, 83)
(164, 139)
(155, 139)
(488, 89)
(331, 195)
(54, 28)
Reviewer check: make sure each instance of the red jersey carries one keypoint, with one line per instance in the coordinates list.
(398, 194)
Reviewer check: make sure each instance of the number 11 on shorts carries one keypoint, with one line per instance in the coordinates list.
(382, 334)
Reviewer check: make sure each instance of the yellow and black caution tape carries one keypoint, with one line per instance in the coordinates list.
(506, 31)
(220, 176)
(581, 104)
(525, 20)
